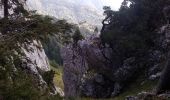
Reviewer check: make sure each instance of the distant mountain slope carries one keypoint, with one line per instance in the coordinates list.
(76, 11)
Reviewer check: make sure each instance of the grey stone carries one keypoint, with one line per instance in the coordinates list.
(156, 76)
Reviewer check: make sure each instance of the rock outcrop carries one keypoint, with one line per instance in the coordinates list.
(164, 79)
(90, 68)
(149, 96)
(74, 69)
(36, 54)
(36, 63)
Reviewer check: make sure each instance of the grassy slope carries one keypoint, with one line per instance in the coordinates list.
(58, 77)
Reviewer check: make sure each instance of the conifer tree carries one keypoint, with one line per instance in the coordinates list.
(17, 9)
(16, 6)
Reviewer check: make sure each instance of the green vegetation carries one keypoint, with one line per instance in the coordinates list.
(58, 79)
(52, 50)
(58, 75)
(77, 36)
(19, 88)
(130, 31)
(137, 87)
(52, 43)
(17, 82)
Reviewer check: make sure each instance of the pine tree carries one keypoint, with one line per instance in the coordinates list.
(9, 5)
(18, 10)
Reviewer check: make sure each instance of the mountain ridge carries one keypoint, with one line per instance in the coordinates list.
(73, 11)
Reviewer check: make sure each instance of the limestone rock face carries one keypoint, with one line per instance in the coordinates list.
(78, 59)
(36, 54)
(36, 63)
(82, 59)
(74, 68)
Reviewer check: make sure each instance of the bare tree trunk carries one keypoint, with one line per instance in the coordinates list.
(6, 13)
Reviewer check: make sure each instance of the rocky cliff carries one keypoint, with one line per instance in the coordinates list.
(79, 59)
(36, 62)
(29, 60)
(35, 53)
(91, 70)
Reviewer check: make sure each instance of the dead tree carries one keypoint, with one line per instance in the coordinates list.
(108, 19)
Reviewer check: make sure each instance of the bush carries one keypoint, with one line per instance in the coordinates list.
(77, 36)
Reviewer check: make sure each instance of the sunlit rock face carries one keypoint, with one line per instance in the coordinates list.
(36, 62)
(36, 54)
(1, 13)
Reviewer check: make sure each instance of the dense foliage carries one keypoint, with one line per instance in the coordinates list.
(77, 36)
(70, 33)
(52, 50)
(131, 30)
